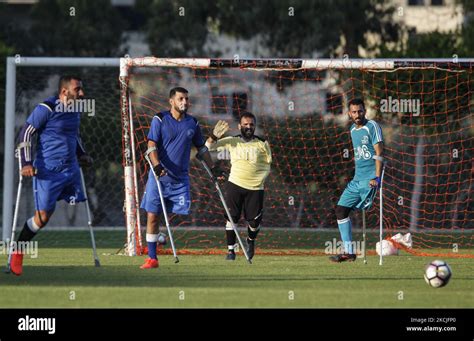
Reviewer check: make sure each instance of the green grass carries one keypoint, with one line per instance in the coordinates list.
(60, 274)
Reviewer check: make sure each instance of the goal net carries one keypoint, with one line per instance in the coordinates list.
(423, 107)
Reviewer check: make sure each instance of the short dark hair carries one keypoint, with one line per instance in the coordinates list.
(248, 114)
(65, 80)
(356, 101)
(177, 89)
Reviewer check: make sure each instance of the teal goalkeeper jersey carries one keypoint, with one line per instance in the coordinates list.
(363, 141)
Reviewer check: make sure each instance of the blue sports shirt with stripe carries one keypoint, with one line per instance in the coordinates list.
(363, 141)
(58, 136)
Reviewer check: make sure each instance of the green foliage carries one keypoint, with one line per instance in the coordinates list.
(76, 28)
(5, 51)
(360, 18)
(291, 29)
(467, 31)
(426, 45)
(177, 28)
(287, 29)
(307, 146)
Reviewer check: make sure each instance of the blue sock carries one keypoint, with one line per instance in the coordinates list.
(152, 241)
(152, 249)
(345, 228)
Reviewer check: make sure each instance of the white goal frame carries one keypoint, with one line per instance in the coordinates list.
(127, 64)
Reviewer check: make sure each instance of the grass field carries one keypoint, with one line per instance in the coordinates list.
(66, 277)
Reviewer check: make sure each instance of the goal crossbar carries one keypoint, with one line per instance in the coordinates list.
(282, 64)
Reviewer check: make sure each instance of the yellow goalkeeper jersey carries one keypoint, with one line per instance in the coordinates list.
(250, 161)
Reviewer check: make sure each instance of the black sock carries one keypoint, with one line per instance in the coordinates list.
(26, 234)
(231, 237)
(253, 234)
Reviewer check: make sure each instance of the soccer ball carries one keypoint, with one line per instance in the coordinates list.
(437, 273)
(161, 238)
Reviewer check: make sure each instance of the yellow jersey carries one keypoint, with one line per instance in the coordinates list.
(250, 160)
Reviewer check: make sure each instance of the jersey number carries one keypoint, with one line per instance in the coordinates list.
(362, 153)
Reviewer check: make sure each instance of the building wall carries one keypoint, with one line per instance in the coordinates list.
(429, 18)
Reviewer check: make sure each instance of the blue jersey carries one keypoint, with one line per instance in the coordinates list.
(58, 133)
(363, 141)
(174, 139)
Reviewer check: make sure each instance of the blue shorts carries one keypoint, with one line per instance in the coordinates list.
(177, 197)
(51, 186)
(358, 195)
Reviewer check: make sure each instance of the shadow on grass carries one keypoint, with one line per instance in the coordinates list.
(165, 276)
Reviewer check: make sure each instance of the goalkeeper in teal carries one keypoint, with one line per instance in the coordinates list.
(367, 141)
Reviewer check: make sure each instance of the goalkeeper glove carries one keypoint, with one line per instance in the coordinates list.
(219, 130)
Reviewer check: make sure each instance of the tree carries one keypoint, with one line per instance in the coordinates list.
(5, 51)
(425, 45)
(177, 28)
(467, 30)
(291, 29)
(68, 28)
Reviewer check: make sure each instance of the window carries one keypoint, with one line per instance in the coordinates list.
(416, 2)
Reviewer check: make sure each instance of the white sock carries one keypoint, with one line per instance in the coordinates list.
(151, 238)
(32, 225)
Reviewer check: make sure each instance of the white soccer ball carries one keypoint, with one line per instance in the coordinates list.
(162, 238)
(437, 273)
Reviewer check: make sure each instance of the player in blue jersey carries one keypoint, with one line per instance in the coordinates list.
(367, 141)
(171, 136)
(58, 153)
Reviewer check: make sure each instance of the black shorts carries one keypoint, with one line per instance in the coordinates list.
(238, 198)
